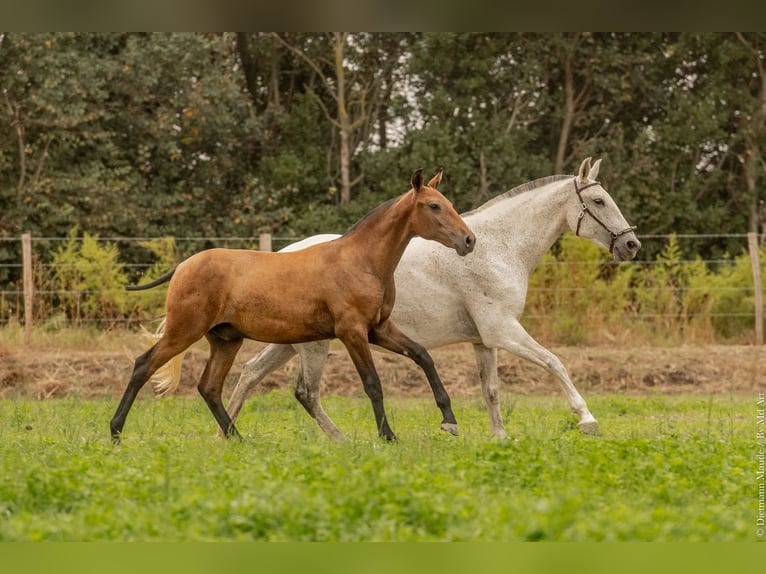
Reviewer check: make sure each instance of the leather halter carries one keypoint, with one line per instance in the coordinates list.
(586, 209)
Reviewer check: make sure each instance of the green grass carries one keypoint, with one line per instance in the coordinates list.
(665, 469)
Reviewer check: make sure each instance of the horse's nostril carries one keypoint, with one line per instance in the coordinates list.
(468, 240)
(632, 245)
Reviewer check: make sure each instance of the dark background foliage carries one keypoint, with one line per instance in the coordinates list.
(193, 134)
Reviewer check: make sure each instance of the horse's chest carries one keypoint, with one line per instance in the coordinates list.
(370, 304)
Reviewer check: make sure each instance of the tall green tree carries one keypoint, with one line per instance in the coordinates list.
(296, 133)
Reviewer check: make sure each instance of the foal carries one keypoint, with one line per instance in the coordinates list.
(343, 288)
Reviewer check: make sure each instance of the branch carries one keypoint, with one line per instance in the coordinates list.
(356, 180)
(39, 169)
(312, 64)
(514, 114)
(324, 109)
(18, 125)
(755, 52)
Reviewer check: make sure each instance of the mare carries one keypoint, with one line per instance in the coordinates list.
(340, 289)
(443, 300)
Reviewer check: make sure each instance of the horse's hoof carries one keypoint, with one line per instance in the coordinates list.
(338, 436)
(450, 428)
(590, 428)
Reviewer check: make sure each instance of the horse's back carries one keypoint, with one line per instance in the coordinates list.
(282, 297)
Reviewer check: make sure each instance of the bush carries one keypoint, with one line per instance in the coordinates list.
(89, 279)
(577, 296)
(152, 302)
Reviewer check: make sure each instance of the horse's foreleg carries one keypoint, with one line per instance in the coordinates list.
(222, 354)
(388, 336)
(313, 358)
(486, 360)
(516, 340)
(269, 359)
(360, 354)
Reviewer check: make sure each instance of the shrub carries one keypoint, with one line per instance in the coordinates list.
(90, 280)
(577, 295)
(152, 302)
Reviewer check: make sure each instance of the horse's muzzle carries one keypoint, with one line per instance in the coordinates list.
(466, 244)
(626, 247)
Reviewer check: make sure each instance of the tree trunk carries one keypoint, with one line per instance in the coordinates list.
(345, 168)
(483, 181)
(753, 135)
(569, 114)
(248, 65)
(344, 122)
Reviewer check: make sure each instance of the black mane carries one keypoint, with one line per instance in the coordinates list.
(382, 207)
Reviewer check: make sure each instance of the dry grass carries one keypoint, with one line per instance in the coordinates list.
(92, 363)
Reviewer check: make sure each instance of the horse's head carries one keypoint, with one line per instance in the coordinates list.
(435, 218)
(594, 214)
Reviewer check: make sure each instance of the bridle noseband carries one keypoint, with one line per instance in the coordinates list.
(586, 209)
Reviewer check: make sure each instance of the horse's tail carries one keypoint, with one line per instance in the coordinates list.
(158, 281)
(166, 378)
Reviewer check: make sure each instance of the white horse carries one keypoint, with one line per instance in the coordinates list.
(443, 299)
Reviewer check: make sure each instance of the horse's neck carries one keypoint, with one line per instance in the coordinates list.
(382, 235)
(525, 226)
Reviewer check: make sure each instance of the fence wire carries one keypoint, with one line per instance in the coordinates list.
(12, 292)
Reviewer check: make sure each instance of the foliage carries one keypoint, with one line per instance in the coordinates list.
(578, 288)
(660, 461)
(735, 299)
(577, 295)
(90, 279)
(231, 135)
(136, 134)
(152, 301)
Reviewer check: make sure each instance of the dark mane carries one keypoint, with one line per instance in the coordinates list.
(519, 189)
(381, 207)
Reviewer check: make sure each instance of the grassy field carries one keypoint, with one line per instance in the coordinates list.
(678, 468)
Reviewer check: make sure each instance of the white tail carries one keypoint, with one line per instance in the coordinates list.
(166, 378)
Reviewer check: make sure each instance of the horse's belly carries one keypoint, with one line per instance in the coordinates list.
(434, 326)
(284, 321)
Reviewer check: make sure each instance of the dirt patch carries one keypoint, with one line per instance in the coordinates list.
(710, 369)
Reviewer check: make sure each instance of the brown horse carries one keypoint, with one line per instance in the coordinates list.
(343, 288)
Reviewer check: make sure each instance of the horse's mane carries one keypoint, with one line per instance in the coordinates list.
(369, 214)
(518, 190)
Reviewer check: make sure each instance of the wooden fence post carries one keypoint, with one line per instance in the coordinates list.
(264, 242)
(29, 288)
(752, 247)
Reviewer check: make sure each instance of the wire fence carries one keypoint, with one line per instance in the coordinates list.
(728, 289)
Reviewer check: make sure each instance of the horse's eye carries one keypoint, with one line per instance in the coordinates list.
(598, 201)
(434, 206)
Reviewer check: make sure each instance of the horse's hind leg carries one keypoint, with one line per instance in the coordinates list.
(388, 336)
(145, 366)
(269, 359)
(313, 358)
(222, 354)
(486, 360)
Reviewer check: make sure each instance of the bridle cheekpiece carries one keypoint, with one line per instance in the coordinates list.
(586, 209)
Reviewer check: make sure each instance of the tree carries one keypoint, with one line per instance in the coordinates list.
(338, 60)
(753, 128)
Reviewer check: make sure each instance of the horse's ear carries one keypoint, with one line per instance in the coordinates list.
(584, 169)
(417, 180)
(594, 169)
(436, 180)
